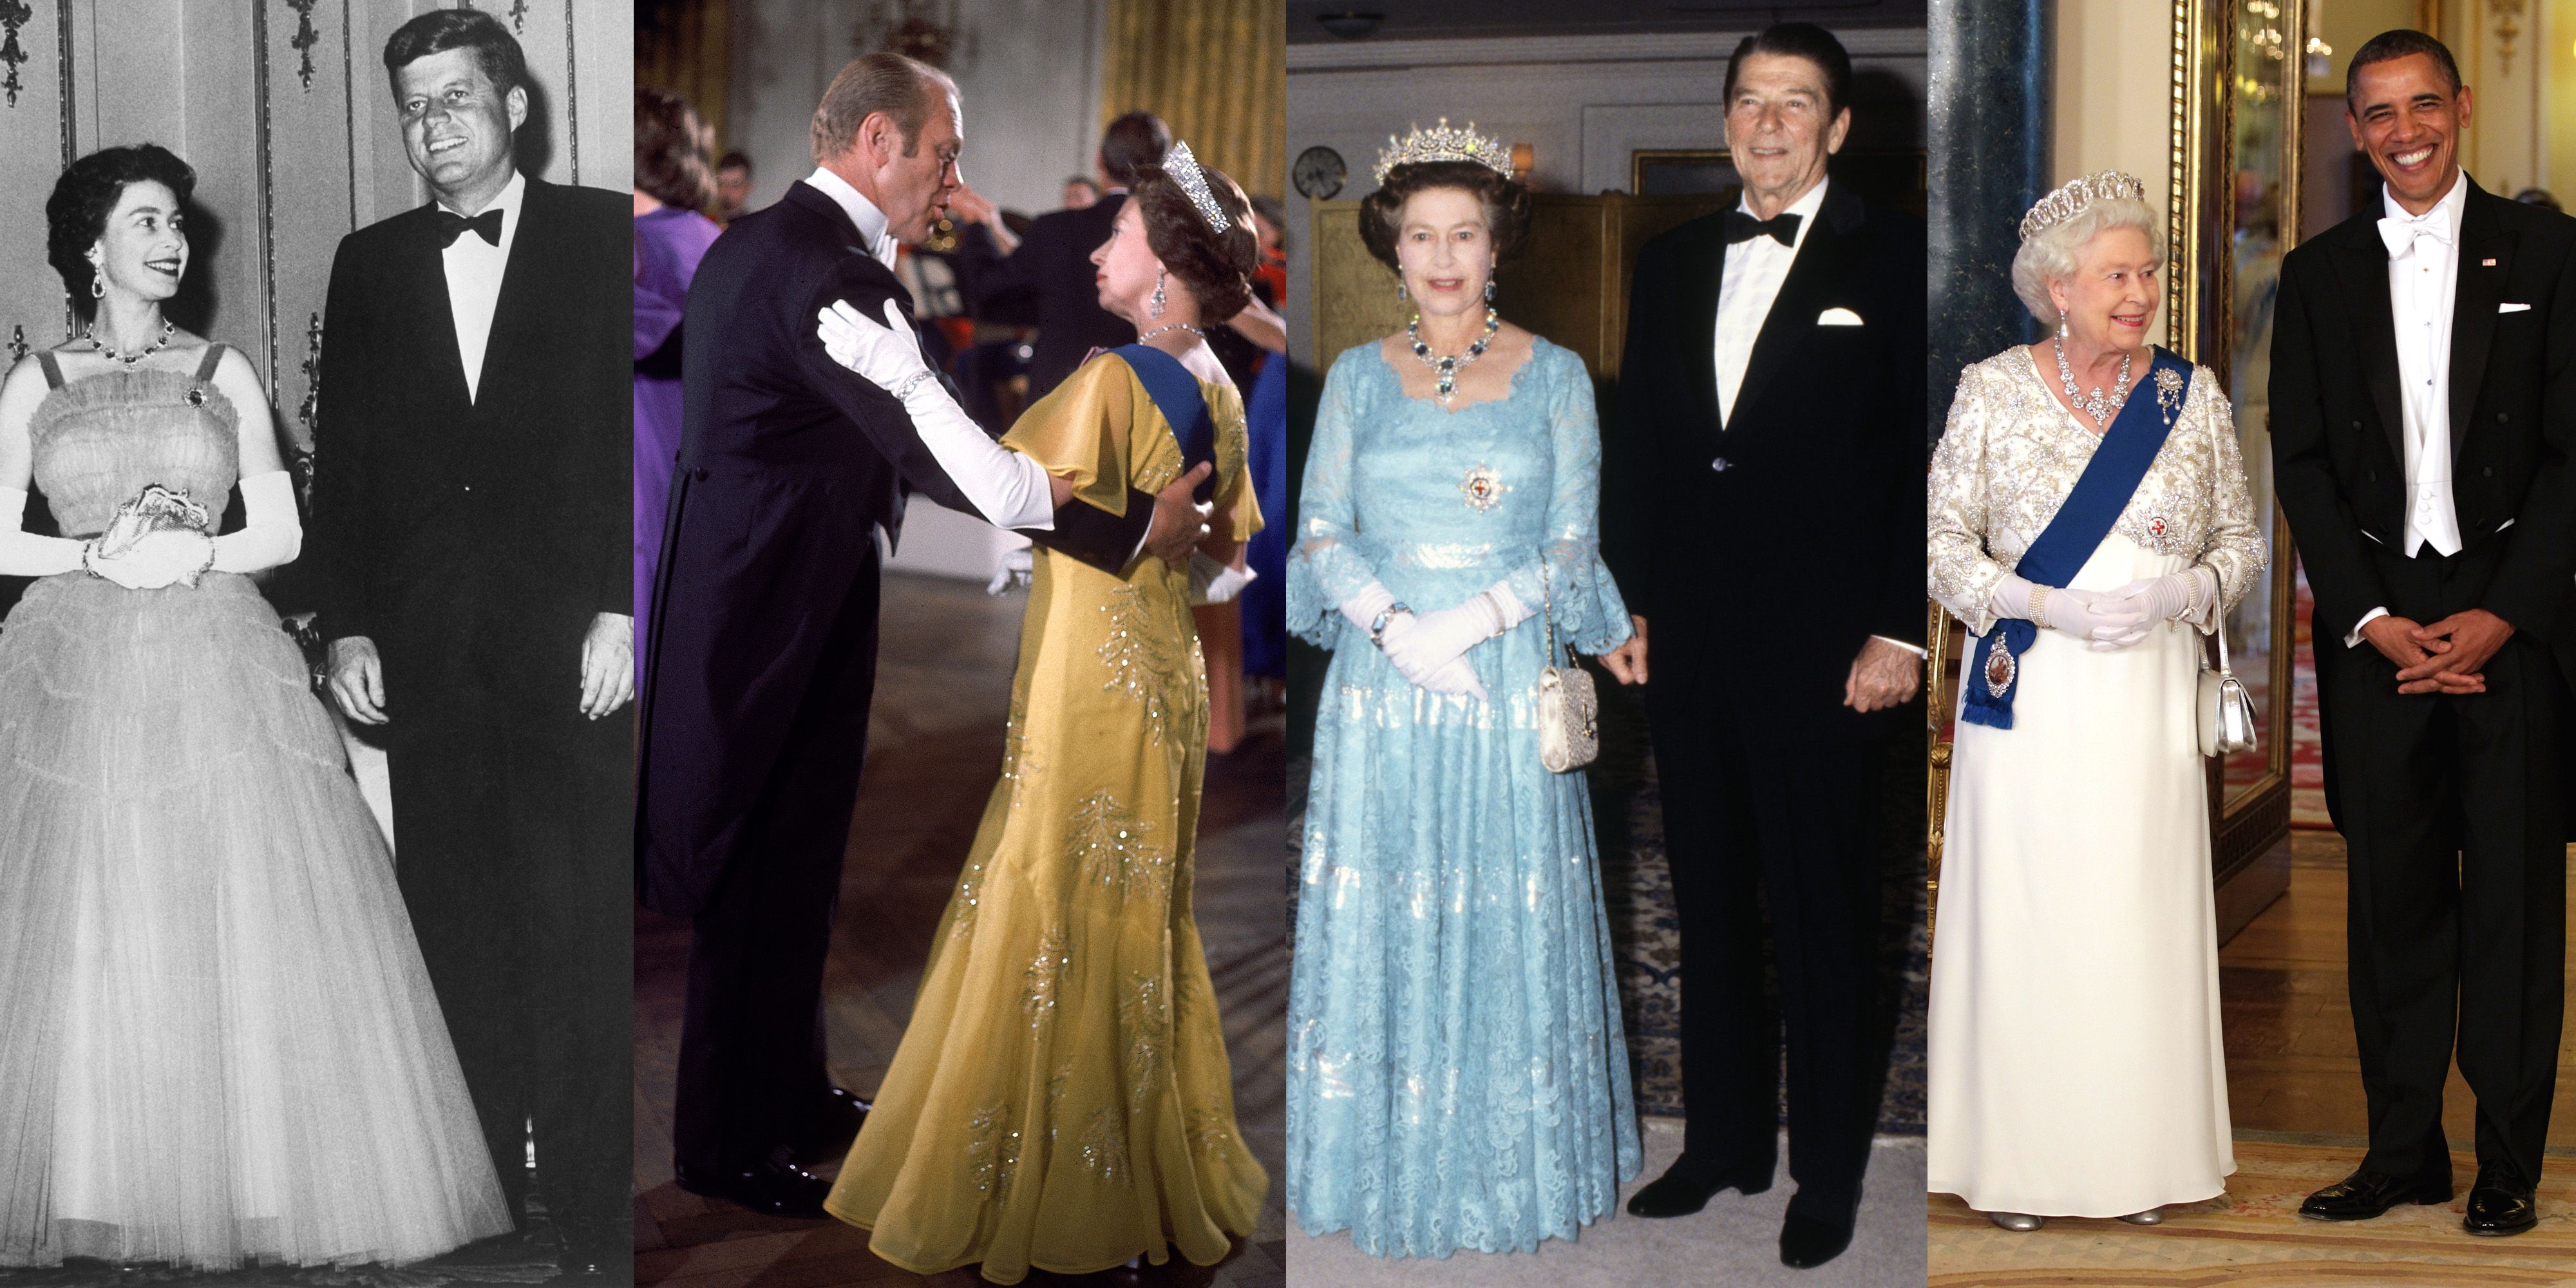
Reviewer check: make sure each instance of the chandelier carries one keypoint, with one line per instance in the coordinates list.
(922, 29)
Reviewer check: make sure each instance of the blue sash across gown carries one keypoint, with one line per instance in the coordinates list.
(1176, 394)
(2129, 446)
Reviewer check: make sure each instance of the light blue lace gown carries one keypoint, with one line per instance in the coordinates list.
(1457, 1077)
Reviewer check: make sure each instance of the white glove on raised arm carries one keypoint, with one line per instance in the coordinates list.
(1010, 489)
(2103, 621)
(23, 553)
(271, 534)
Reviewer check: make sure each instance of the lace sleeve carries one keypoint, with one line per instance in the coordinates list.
(2235, 550)
(1590, 616)
(1326, 567)
(1961, 575)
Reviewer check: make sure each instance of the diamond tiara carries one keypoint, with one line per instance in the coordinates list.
(1441, 143)
(1185, 171)
(2071, 199)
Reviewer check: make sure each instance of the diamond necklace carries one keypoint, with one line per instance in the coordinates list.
(1175, 326)
(2097, 404)
(129, 359)
(1448, 366)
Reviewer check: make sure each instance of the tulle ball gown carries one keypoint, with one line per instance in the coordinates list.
(217, 1042)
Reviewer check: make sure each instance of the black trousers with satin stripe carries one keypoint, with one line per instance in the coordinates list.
(2452, 815)
(1756, 813)
(513, 831)
(753, 1068)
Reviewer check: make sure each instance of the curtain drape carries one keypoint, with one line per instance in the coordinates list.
(1215, 71)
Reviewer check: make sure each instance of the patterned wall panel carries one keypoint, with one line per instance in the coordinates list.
(284, 109)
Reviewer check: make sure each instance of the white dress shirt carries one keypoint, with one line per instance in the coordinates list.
(474, 267)
(1745, 290)
(2423, 280)
(870, 221)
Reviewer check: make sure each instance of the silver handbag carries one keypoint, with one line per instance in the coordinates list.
(1569, 709)
(2226, 713)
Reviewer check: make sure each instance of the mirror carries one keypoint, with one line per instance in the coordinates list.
(2266, 98)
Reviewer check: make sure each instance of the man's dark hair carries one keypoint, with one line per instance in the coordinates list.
(1799, 40)
(440, 30)
(2388, 47)
(1135, 139)
(87, 193)
(734, 160)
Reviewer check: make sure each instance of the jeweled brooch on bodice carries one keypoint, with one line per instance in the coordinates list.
(2169, 389)
(1484, 487)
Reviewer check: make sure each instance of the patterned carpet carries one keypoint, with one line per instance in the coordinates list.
(1645, 941)
(2252, 1235)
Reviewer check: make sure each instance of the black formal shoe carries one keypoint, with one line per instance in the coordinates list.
(1681, 1191)
(776, 1188)
(2366, 1194)
(2500, 1203)
(1808, 1240)
(834, 1124)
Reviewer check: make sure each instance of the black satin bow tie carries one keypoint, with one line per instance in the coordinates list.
(1741, 227)
(452, 225)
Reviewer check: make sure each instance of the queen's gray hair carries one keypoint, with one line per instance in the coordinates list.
(2051, 253)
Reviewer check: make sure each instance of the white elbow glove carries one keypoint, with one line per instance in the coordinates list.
(1212, 582)
(1364, 608)
(23, 553)
(1008, 488)
(2103, 621)
(1441, 637)
(1422, 666)
(271, 535)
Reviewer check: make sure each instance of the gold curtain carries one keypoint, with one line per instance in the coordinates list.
(686, 46)
(1215, 71)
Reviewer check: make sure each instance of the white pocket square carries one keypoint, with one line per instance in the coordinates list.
(1838, 317)
(2513, 308)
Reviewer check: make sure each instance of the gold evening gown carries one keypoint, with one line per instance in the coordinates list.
(1061, 1098)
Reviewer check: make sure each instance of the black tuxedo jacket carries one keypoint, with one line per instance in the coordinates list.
(474, 538)
(788, 464)
(1777, 569)
(2338, 455)
(1049, 281)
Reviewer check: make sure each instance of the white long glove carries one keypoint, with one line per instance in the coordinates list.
(1363, 608)
(1212, 582)
(23, 553)
(270, 535)
(2105, 622)
(1008, 488)
(2184, 596)
(1444, 635)
(1453, 676)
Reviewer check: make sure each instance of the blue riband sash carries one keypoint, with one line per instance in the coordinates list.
(2128, 447)
(1176, 394)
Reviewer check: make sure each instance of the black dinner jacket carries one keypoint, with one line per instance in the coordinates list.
(2338, 458)
(1811, 540)
(1049, 280)
(474, 538)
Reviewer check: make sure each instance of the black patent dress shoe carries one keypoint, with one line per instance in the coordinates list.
(834, 1124)
(1816, 1233)
(2500, 1203)
(774, 1188)
(1681, 1190)
(2366, 1194)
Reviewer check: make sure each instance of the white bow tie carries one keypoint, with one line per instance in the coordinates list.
(2402, 234)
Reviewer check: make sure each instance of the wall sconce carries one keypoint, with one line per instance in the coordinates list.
(1524, 160)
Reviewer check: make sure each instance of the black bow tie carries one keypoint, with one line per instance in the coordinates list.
(452, 225)
(1741, 227)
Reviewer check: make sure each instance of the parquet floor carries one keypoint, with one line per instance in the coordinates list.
(934, 746)
(2294, 1097)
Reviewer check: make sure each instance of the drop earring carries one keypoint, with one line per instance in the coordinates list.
(1489, 290)
(1154, 307)
(2061, 326)
(97, 283)
(1400, 296)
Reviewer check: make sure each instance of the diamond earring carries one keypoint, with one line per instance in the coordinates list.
(2061, 326)
(1155, 306)
(1400, 296)
(1489, 290)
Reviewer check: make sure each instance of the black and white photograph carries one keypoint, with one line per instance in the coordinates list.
(317, 661)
